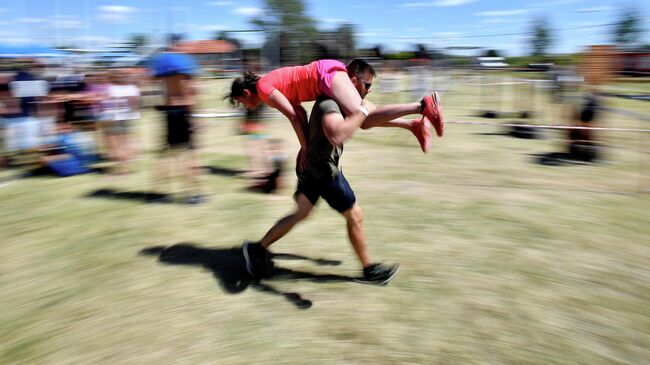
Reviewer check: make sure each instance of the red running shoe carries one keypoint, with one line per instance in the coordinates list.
(421, 131)
(433, 111)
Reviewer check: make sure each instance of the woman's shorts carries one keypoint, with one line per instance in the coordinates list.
(326, 71)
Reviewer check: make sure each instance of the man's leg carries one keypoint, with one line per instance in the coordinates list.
(284, 225)
(373, 273)
(256, 256)
(354, 217)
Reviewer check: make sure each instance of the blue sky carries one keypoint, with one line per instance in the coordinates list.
(396, 24)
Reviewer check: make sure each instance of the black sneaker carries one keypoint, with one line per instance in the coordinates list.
(378, 274)
(258, 260)
(160, 199)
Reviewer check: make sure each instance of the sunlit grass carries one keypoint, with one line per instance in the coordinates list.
(504, 261)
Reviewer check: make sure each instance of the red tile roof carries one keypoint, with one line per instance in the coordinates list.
(205, 46)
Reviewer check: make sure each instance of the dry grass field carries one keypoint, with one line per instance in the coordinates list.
(503, 260)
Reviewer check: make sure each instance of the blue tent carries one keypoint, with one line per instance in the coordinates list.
(164, 64)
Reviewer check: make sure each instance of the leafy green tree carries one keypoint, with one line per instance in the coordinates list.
(492, 53)
(289, 30)
(541, 38)
(347, 42)
(628, 29)
(138, 41)
(225, 36)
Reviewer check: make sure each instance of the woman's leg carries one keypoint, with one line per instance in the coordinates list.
(345, 94)
(348, 98)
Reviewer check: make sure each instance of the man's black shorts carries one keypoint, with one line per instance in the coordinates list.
(336, 191)
(179, 132)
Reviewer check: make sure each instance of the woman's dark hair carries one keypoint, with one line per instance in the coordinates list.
(358, 67)
(247, 82)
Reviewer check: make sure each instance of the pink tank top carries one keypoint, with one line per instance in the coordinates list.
(297, 83)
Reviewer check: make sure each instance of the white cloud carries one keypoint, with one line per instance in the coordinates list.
(221, 3)
(31, 20)
(179, 9)
(116, 13)
(452, 2)
(555, 3)
(95, 38)
(118, 9)
(436, 3)
(552, 5)
(13, 38)
(499, 13)
(249, 11)
(61, 22)
(596, 9)
(68, 23)
(333, 20)
(95, 41)
(417, 5)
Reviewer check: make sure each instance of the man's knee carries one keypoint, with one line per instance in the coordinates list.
(302, 213)
(354, 215)
(304, 207)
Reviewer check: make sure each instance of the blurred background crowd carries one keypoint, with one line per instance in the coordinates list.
(68, 102)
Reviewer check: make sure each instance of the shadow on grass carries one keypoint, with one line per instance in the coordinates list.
(141, 196)
(559, 159)
(505, 134)
(222, 171)
(582, 152)
(227, 266)
(521, 131)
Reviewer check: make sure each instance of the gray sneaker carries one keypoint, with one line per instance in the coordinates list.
(196, 199)
(379, 274)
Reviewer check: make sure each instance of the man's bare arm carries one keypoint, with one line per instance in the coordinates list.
(337, 129)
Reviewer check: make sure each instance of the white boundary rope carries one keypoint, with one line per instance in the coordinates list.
(216, 115)
(547, 126)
